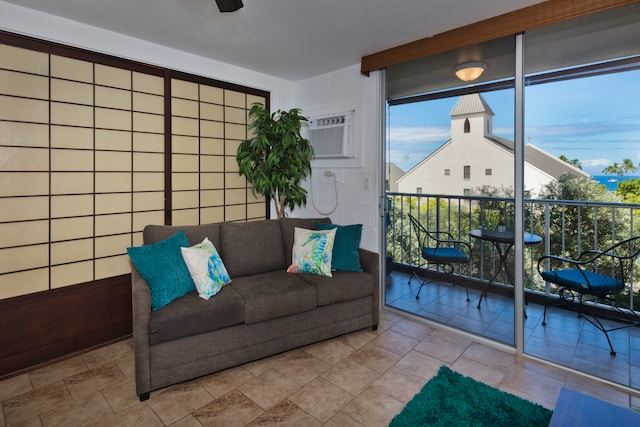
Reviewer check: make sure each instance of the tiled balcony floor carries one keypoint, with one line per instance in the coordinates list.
(360, 379)
(566, 339)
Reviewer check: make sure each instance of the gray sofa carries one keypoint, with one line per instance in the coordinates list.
(263, 311)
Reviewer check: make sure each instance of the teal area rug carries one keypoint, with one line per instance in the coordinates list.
(450, 399)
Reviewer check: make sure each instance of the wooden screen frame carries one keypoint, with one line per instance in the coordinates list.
(45, 325)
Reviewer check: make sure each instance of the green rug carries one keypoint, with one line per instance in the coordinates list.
(450, 399)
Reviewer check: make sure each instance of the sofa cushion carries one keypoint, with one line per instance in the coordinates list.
(343, 286)
(195, 233)
(251, 247)
(287, 227)
(191, 315)
(162, 266)
(275, 294)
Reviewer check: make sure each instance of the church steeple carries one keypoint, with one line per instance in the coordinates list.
(472, 111)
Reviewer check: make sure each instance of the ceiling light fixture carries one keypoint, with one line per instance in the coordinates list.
(469, 71)
(229, 5)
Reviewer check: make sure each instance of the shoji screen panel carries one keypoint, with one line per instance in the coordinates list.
(72, 197)
(241, 203)
(82, 168)
(24, 171)
(185, 146)
(148, 152)
(208, 123)
(85, 165)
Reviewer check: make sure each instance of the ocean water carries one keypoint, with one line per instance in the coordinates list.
(611, 181)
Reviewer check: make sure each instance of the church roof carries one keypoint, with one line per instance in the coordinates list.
(540, 159)
(471, 104)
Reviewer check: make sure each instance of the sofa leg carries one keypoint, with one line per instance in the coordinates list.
(144, 396)
(374, 328)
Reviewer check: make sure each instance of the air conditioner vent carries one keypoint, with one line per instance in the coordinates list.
(330, 135)
(330, 121)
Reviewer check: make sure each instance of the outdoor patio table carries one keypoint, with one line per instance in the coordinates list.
(502, 241)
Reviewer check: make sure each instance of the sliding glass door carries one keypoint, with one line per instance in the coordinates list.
(538, 155)
(582, 87)
(452, 148)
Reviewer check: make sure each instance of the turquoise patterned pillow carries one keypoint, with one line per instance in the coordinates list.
(312, 250)
(346, 256)
(163, 268)
(206, 268)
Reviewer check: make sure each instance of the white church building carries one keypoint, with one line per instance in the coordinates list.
(474, 158)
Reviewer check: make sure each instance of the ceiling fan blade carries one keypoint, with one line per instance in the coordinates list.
(229, 5)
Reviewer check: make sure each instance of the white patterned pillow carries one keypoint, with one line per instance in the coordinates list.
(312, 251)
(206, 268)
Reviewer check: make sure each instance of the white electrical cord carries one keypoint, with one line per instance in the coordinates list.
(335, 189)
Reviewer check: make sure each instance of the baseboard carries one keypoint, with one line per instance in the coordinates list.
(44, 326)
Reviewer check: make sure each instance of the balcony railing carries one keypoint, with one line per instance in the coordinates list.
(567, 228)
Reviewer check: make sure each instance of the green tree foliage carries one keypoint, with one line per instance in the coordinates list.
(580, 222)
(574, 162)
(620, 169)
(402, 242)
(277, 158)
(628, 166)
(629, 190)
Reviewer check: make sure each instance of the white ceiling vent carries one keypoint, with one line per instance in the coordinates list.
(331, 135)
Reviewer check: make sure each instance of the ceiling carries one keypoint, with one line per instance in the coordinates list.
(289, 39)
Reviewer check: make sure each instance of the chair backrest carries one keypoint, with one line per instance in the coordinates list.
(419, 230)
(426, 237)
(618, 260)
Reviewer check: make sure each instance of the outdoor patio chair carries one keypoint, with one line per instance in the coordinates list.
(597, 276)
(439, 248)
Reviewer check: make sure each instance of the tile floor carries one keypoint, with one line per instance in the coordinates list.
(360, 379)
(566, 339)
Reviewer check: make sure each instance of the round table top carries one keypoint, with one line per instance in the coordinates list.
(504, 236)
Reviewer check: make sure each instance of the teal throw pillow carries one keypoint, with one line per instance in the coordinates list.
(345, 248)
(162, 266)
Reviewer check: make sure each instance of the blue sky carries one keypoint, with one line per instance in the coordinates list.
(595, 120)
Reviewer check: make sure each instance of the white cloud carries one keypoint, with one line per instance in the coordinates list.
(596, 163)
(419, 134)
(410, 144)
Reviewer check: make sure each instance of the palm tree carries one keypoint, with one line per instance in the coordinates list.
(628, 166)
(614, 169)
(620, 169)
(575, 162)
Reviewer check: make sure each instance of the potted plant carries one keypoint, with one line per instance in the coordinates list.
(276, 158)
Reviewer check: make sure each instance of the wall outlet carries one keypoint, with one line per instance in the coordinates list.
(367, 184)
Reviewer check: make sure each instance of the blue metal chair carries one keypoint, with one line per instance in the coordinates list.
(439, 248)
(594, 276)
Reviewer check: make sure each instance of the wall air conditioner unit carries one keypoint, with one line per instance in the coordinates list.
(331, 135)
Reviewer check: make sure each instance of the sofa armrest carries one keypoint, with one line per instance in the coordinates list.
(141, 306)
(370, 263)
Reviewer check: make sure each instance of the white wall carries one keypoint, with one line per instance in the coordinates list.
(358, 178)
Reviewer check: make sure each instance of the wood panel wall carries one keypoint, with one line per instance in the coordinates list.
(44, 326)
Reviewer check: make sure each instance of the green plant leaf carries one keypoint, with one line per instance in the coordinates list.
(276, 158)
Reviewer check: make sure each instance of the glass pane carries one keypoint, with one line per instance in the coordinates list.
(581, 112)
(451, 170)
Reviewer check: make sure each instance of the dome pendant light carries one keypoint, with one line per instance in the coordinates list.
(469, 71)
